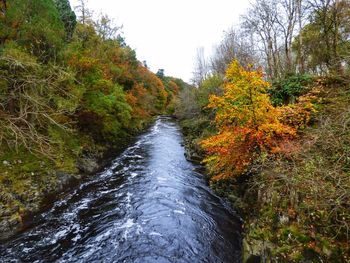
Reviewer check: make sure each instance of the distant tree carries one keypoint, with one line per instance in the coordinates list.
(106, 28)
(201, 70)
(67, 16)
(234, 46)
(329, 30)
(160, 73)
(260, 21)
(85, 13)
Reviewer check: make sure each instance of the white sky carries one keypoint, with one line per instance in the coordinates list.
(167, 33)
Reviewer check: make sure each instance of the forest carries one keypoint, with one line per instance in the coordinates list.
(71, 90)
(271, 125)
(267, 114)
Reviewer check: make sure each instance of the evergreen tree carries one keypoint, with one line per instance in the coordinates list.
(67, 15)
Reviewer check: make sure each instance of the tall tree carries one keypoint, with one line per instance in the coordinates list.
(106, 28)
(234, 46)
(301, 62)
(201, 69)
(85, 13)
(67, 15)
(326, 37)
(261, 21)
(286, 20)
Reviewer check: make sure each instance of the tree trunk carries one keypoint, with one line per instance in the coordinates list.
(337, 59)
(300, 48)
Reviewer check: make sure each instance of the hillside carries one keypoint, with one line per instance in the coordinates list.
(72, 92)
(297, 207)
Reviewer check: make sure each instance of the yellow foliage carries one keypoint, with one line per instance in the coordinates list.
(247, 123)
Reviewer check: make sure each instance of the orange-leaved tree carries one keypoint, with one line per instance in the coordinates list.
(247, 123)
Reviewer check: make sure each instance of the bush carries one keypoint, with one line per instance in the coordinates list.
(286, 91)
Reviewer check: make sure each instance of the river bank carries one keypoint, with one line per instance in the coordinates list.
(295, 208)
(149, 204)
(30, 184)
(20, 201)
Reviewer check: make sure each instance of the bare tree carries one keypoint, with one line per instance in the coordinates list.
(106, 28)
(34, 100)
(85, 13)
(201, 70)
(301, 60)
(234, 45)
(286, 19)
(261, 20)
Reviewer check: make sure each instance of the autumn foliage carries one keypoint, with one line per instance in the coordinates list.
(247, 123)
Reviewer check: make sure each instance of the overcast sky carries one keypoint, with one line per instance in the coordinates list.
(167, 33)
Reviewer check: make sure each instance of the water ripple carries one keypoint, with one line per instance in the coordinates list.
(149, 205)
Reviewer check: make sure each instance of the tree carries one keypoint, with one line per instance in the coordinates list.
(234, 46)
(247, 124)
(301, 58)
(33, 98)
(85, 13)
(67, 15)
(261, 21)
(35, 25)
(201, 70)
(106, 29)
(286, 20)
(326, 37)
(274, 24)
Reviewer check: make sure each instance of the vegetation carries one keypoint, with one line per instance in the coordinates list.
(247, 124)
(268, 114)
(69, 90)
(268, 117)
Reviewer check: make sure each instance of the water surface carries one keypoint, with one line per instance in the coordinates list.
(148, 205)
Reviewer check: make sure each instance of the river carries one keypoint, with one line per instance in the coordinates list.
(148, 205)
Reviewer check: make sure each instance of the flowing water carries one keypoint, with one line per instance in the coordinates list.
(148, 205)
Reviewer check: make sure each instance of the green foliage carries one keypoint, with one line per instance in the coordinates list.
(66, 91)
(67, 16)
(35, 25)
(326, 42)
(32, 96)
(105, 115)
(209, 86)
(286, 91)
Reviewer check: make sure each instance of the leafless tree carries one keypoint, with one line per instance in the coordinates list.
(286, 19)
(85, 13)
(261, 21)
(201, 69)
(235, 45)
(31, 103)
